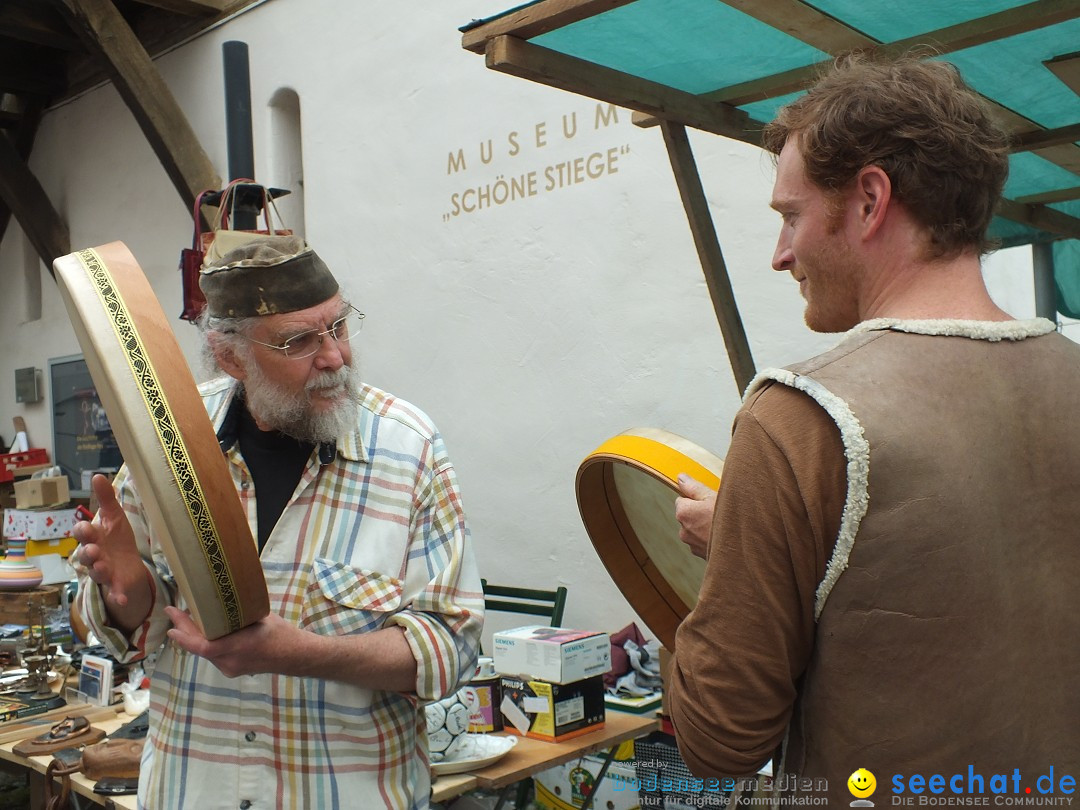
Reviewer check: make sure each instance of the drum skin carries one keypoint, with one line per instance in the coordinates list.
(165, 436)
(626, 491)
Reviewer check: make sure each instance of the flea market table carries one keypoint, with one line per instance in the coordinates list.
(109, 722)
(529, 757)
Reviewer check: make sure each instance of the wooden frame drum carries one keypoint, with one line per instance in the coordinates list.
(626, 491)
(165, 436)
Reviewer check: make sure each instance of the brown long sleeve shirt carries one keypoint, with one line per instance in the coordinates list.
(741, 651)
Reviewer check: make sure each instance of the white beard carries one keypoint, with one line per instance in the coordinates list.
(279, 409)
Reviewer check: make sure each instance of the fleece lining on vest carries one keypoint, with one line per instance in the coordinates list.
(856, 448)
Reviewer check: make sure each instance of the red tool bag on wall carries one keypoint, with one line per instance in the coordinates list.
(191, 260)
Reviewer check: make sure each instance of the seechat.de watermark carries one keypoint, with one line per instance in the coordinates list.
(970, 788)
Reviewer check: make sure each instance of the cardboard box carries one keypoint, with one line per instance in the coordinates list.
(54, 570)
(552, 654)
(38, 524)
(552, 711)
(57, 545)
(41, 492)
(565, 787)
(86, 476)
(484, 696)
(14, 524)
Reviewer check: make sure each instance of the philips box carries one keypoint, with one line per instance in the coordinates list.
(552, 711)
(552, 654)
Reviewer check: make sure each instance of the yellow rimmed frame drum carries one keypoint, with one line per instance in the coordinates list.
(165, 436)
(626, 491)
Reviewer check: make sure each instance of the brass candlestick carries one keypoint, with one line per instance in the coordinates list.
(38, 653)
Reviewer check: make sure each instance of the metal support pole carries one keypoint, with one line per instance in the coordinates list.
(1042, 262)
(238, 136)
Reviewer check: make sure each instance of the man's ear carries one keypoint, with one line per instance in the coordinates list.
(225, 356)
(873, 196)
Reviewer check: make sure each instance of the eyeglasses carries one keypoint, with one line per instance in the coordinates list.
(307, 343)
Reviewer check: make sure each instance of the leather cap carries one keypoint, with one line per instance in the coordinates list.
(265, 276)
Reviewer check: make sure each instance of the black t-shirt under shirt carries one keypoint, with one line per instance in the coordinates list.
(276, 462)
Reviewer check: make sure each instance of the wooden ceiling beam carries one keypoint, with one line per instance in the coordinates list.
(1000, 25)
(190, 8)
(516, 57)
(805, 23)
(534, 20)
(41, 27)
(1040, 217)
(23, 195)
(107, 35)
(1047, 197)
(1067, 68)
(1066, 155)
(23, 138)
(1042, 138)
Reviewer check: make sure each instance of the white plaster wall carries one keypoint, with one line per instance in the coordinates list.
(530, 331)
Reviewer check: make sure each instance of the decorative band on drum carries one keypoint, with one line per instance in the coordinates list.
(168, 434)
(658, 456)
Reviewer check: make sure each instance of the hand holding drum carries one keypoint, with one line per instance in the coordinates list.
(627, 491)
(168, 445)
(108, 551)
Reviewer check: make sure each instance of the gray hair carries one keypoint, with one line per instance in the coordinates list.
(225, 333)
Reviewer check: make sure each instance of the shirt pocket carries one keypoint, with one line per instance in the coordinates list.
(342, 599)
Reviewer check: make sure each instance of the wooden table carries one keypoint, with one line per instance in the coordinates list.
(531, 756)
(107, 721)
(526, 758)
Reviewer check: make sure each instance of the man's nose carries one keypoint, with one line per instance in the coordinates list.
(329, 355)
(783, 257)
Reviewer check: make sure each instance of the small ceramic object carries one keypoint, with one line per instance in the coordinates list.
(16, 572)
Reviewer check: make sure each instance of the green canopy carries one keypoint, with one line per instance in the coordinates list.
(725, 66)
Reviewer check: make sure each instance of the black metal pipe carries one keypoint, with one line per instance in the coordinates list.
(238, 135)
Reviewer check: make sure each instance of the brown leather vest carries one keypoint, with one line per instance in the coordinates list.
(951, 634)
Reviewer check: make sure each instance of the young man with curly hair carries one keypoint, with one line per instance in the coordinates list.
(891, 575)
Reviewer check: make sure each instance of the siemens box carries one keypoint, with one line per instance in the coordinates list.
(552, 654)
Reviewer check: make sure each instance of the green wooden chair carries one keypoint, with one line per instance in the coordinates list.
(529, 601)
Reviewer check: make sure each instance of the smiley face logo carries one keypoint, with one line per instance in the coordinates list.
(862, 784)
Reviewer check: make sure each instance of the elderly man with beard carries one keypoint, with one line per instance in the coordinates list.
(375, 598)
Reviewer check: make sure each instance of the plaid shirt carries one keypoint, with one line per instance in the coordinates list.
(376, 538)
